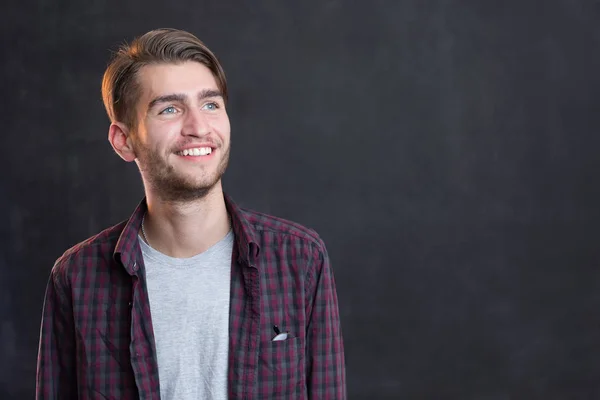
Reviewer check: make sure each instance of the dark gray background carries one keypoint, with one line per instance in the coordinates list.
(446, 151)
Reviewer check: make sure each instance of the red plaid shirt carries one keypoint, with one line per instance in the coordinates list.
(97, 341)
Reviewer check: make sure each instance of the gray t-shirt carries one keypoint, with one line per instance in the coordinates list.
(189, 303)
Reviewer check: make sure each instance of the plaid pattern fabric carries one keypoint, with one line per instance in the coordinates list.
(97, 341)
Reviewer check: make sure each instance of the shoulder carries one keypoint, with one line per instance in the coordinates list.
(87, 253)
(263, 223)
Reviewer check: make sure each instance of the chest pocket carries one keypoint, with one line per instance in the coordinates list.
(281, 366)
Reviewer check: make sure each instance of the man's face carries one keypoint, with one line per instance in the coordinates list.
(182, 139)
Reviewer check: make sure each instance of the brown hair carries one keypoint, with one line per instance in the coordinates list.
(120, 89)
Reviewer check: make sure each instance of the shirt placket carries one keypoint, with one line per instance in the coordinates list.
(142, 349)
(244, 330)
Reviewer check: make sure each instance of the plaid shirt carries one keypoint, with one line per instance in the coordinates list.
(97, 340)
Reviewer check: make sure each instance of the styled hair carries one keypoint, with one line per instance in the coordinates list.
(120, 88)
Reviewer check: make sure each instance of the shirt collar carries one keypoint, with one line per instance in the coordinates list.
(244, 232)
(128, 250)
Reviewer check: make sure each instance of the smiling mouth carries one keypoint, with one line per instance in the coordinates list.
(195, 152)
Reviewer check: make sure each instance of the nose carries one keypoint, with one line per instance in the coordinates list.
(195, 124)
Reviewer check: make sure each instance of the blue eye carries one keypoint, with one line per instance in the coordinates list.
(211, 106)
(169, 110)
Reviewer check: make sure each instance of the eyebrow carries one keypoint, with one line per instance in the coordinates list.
(178, 97)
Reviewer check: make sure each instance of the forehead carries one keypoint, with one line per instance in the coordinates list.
(185, 78)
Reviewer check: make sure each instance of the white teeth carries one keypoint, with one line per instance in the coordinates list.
(198, 151)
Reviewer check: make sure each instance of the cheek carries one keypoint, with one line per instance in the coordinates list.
(160, 136)
(223, 127)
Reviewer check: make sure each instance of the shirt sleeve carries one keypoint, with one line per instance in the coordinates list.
(56, 376)
(326, 369)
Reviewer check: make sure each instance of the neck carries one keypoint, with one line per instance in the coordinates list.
(185, 229)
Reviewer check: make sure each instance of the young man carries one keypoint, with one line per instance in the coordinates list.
(192, 297)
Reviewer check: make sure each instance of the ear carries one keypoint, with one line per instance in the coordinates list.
(120, 140)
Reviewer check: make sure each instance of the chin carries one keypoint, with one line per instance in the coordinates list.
(205, 184)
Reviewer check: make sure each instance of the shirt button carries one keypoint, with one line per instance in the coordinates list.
(135, 267)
